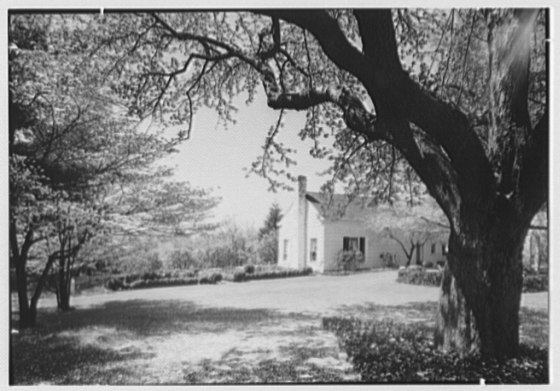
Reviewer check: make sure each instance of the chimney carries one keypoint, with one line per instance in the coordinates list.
(302, 221)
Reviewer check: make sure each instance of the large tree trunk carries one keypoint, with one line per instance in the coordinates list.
(488, 272)
(455, 329)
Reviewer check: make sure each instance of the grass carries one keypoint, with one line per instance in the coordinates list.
(227, 334)
(177, 342)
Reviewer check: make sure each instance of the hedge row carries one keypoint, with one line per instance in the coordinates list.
(241, 275)
(386, 351)
(153, 280)
(419, 276)
(432, 277)
(156, 281)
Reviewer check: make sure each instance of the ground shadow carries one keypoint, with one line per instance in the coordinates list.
(533, 322)
(79, 346)
(153, 317)
(106, 344)
(37, 358)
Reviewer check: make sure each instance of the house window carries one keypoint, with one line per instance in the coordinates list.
(433, 248)
(444, 249)
(285, 252)
(313, 249)
(354, 244)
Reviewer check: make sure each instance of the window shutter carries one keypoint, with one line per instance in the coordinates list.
(345, 241)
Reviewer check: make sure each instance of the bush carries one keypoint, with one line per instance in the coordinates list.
(210, 277)
(249, 269)
(239, 276)
(419, 276)
(349, 260)
(385, 351)
(115, 283)
(388, 261)
(535, 283)
(163, 282)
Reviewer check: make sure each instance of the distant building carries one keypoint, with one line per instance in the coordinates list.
(314, 231)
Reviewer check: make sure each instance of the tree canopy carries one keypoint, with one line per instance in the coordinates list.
(461, 95)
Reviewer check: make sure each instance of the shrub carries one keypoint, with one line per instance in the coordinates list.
(249, 269)
(210, 278)
(349, 260)
(429, 265)
(115, 283)
(385, 351)
(419, 276)
(388, 260)
(239, 276)
(535, 283)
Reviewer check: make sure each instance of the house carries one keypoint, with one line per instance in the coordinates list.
(315, 231)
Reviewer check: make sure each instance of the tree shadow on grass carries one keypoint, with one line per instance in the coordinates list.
(153, 317)
(51, 359)
(85, 346)
(533, 322)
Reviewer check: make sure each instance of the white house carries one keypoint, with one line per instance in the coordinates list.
(314, 231)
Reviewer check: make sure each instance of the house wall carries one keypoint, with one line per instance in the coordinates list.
(426, 251)
(289, 231)
(437, 255)
(335, 231)
(316, 230)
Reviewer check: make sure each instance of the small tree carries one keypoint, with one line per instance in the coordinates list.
(409, 226)
(268, 235)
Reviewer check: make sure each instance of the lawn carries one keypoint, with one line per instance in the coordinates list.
(255, 332)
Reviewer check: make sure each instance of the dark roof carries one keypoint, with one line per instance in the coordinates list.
(341, 207)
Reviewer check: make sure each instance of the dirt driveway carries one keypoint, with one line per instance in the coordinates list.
(257, 331)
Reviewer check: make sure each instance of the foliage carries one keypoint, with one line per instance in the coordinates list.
(69, 135)
(349, 259)
(532, 282)
(272, 221)
(268, 248)
(268, 235)
(420, 276)
(535, 283)
(182, 260)
(228, 246)
(460, 94)
(239, 276)
(388, 260)
(249, 269)
(410, 226)
(389, 352)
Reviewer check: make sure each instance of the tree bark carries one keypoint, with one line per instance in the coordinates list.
(455, 328)
(488, 269)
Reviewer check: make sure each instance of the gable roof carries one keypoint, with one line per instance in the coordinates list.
(341, 207)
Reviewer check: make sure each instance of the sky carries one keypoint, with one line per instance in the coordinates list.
(218, 159)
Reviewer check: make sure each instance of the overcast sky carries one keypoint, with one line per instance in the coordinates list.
(216, 158)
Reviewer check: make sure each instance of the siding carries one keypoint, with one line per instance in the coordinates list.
(288, 231)
(335, 231)
(315, 230)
